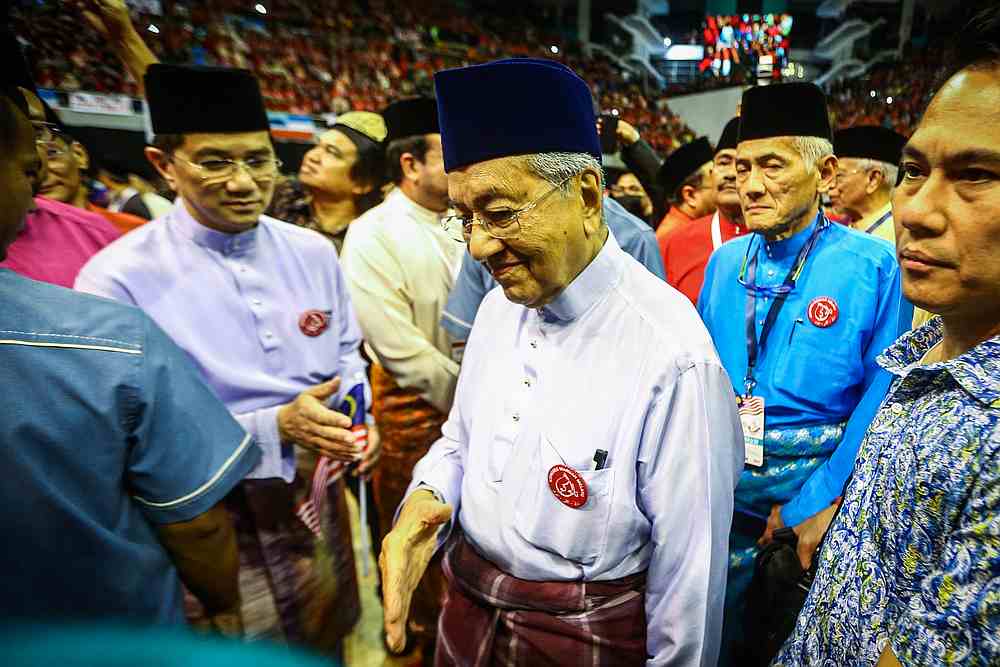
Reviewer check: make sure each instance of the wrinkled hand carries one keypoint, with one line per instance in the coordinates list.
(372, 454)
(108, 17)
(774, 522)
(811, 531)
(406, 551)
(307, 422)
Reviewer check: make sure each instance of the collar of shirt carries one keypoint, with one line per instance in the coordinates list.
(729, 228)
(398, 198)
(787, 247)
(593, 284)
(977, 371)
(864, 223)
(227, 244)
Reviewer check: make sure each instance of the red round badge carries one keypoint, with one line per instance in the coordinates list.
(823, 311)
(567, 486)
(313, 322)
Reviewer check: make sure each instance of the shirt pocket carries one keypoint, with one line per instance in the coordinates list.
(817, 364)
(578, 535)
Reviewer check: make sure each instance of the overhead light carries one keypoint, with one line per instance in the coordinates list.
(667, 42)
(153, 29)
(888, 100)
(872, 93)
(554, 49)
(260, 9)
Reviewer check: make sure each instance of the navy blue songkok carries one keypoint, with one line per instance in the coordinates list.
(513, 107)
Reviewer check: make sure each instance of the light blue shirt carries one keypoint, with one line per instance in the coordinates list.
(618, 361)
(474, 280)
(233, 302)
(810, 375)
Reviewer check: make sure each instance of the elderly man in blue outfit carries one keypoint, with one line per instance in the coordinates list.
(263, 309)
(474, 280)
(587, 466)
(798, 310)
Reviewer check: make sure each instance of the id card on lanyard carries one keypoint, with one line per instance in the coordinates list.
(751, 408)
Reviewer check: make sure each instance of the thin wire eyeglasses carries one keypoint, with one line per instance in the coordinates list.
(501, 224)
(54, 140)
(221, 169)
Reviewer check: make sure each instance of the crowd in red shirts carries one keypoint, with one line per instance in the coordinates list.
(338, 55)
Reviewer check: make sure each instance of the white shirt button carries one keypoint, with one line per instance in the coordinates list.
(255, 302)
(770, 272)
(268, 335)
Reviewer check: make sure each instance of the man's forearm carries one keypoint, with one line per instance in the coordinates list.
(135, 56)
(205, 554)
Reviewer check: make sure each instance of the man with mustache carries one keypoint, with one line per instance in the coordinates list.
(908, 572)
(686, 249)
(799, 310)
(263, 308)
(586, 469)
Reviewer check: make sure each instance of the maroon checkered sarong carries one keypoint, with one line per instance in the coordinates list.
(491, 618)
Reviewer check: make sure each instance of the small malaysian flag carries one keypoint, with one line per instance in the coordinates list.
(327, 470)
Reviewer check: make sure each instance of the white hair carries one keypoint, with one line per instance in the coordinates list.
(813, 150)
(558, 167)
(890, 172)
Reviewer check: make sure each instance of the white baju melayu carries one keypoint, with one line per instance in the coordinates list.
(621, 362)
(400, 267)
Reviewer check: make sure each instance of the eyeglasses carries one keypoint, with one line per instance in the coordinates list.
(841, 174)
(50, 136)
(499, 224)
(221, 169)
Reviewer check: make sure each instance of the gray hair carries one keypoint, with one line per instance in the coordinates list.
(813, 149)
(890, 172)
(558, 167)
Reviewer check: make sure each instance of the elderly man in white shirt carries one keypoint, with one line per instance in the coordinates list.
(400, 266)
(583, 484)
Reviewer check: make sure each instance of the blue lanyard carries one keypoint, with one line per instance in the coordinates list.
(779, 293)
(878, 223)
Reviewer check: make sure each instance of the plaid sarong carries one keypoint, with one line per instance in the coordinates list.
(491, 618)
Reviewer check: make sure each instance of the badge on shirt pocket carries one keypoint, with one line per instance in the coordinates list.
(751, 410)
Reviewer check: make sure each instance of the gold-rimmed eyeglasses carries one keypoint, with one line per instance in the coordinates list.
(217, 170)
(501, 223)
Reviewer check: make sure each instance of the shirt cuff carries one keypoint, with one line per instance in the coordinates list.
(277, 458)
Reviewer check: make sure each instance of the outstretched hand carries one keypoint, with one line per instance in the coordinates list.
(406, 551)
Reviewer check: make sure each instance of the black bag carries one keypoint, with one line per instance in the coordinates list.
(775, 598)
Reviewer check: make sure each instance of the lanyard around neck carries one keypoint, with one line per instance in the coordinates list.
(754, 347)
(878, 223)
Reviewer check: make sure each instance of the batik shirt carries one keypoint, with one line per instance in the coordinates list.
(912, 560)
